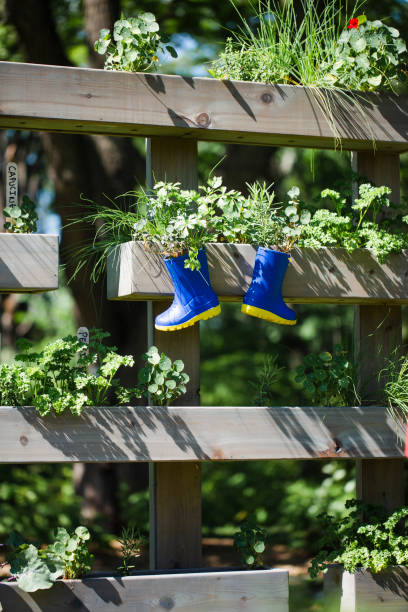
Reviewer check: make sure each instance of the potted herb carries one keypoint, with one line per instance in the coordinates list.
(333, 51)
(371, 545)
(68, 375)
(28, 261)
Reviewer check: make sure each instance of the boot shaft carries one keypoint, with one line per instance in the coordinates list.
(269, 272)
(189, 284)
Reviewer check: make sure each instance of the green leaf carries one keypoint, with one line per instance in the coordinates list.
(171, 384)
(249, 559)
(149, 17)
(12, 211)
(294, 192)
(393, 31)
(172, 51)
(72, 544)
(83, 533)
(361, 19)
(290, 210)
(359, 44)
(165, 363)
(325, 356)
(259, 547)
(375, 81)
(178, 365)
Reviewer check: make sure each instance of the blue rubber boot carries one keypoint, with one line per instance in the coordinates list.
(194, 299)
(264, 296)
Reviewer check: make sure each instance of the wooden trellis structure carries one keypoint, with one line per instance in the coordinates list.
(175, 113)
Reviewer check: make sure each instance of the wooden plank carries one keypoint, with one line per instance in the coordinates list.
(28, 262)
(224, 591)
(194, 433)
(314, 276)
(65, 99)
(175, 491)
(378, 332)
(366, 592)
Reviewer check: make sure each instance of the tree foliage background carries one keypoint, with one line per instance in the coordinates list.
(55, 169)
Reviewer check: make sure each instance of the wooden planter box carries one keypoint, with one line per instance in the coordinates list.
(315, 275)
(364, 591)
(63, 99)
(206, 591)
(28, 263)
(199, 433)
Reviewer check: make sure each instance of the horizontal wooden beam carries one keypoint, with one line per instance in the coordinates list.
(198, 434)
(315, 275)
(207, 591)
(64, 99)
(28, 263)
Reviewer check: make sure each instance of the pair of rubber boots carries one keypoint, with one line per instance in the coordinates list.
(195, 300)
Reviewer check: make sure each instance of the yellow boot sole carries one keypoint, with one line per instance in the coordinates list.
(207, 314)
(260, 313)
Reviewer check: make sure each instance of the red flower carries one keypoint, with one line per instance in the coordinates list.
(353, 24)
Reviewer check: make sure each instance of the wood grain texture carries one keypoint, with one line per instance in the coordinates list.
(175, 490)
(377, 334)
(314, 276)
(366, 592)
(223, 591)
(28, 263)
(66, 99)
(194, 433)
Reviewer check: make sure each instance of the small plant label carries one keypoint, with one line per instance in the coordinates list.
(83, 334)
(11, 184)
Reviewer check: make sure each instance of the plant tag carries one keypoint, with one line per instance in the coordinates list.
(83, 334)
(11, 184)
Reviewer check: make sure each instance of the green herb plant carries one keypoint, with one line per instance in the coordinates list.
(134, 45)
(370, 222)
(161, 381)
(21, 219)
(368, 537)
(329, 378)
(268, 378)
(394, 379)
(250, 542)
(38, 568)
(369, 55)
(318, 51)
(68, 375)
(131, 545)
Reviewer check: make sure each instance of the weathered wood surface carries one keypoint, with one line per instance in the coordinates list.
(194, 433)
(377, 335)
(366, 592)
(314, 276)
(174, 488)
(59, 98)
(28, 262)
(224, 591)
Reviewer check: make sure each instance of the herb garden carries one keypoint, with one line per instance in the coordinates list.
(187, 248)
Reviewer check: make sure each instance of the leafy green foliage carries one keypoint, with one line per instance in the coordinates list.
(161, 380)
(250, 542)
(366, 223)
(22, 219)
(329, 378)
(135, 45)
(71, 550)
(314, 51)
(368, 537)
(131, 545)
(269, 376)
(368, 57)
(395, 383)
(36, 568)
(68, 375)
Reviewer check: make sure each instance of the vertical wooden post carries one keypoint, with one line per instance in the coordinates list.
(377, 332)
(175, 488)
